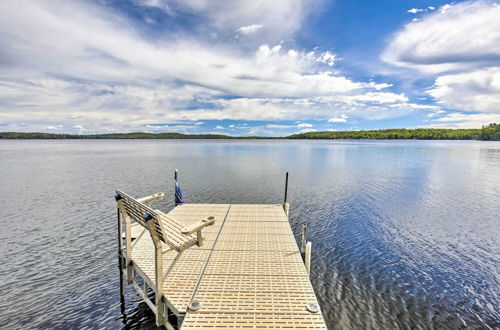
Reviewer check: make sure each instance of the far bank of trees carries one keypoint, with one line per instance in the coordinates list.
(490, 132)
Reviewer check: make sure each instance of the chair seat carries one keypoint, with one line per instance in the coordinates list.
(174, 238)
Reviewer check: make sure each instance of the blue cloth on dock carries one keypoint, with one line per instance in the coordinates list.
(178, 194)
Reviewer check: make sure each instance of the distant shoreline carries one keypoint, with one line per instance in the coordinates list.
(487, 133)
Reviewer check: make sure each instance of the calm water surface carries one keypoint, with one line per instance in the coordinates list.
(405, 233)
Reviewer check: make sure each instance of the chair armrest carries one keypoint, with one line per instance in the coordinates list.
(208, 221)
(157, 196)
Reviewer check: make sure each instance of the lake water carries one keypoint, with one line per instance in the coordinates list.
(405, 233)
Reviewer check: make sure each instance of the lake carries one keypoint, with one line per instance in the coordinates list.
(405, 233)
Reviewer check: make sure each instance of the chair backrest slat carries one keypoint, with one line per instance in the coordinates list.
(137, 211)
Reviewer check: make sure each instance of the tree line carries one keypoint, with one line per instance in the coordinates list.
(490, 132)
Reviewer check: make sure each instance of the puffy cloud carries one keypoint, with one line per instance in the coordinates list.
(96, 70)
(304, 125)
(219, 127)
(461, 42)
(472, 91)
(327, 58)
(249, 29)
(464, 35)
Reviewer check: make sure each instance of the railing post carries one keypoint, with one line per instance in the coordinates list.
(160, 305)
(120, 232)
(128, 240)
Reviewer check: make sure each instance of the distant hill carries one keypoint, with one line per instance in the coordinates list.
(490, 132)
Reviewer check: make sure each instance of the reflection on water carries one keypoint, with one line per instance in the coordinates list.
(405, 233)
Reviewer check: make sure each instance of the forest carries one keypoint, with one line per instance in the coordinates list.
(490, 132)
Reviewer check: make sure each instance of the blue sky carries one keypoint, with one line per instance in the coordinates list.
(247, 67)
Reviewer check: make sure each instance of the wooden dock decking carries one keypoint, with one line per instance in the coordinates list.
(247, 274)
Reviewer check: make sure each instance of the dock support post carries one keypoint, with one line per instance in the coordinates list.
(286, 206)
(308, 257)
(160, 305)
(303, 240)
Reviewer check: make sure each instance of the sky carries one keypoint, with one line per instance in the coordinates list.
(239, 67)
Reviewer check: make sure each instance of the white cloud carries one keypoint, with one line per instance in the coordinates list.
(53, 128)
(307, 130)
(249, 29)
(444, 8)
(461, 42)
(340, 119)
(160, 4)
(279, 109)
(472, 91)
(435, 113)
(459, 120)
(277, 126)
(304, 125)
(219, 127)
(415, 10)
(327, 58)
(458, 37)
(380, 97)
(280, 17)
(59, 68)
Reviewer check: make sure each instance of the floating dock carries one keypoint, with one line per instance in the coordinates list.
(244, 270)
